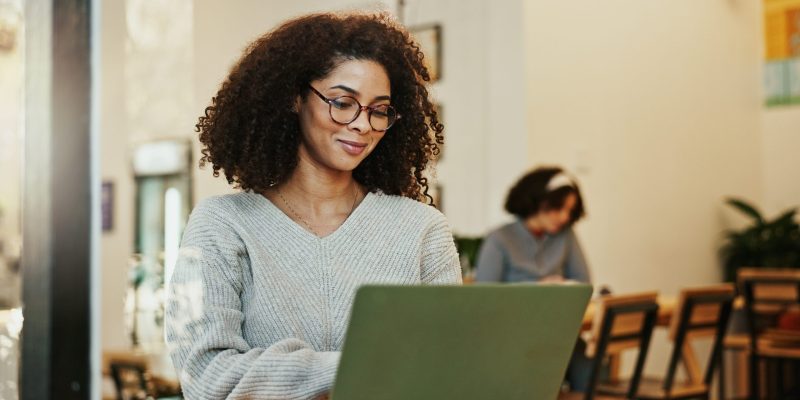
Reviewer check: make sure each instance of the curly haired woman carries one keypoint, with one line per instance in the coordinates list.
(326, 126)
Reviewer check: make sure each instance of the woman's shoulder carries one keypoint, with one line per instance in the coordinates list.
(226, 208)
(504, 232)
(566, 234)
(404, 207)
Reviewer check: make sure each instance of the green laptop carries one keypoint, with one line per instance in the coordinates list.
(460, 342)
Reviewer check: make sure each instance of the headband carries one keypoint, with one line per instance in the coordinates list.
(559, 181)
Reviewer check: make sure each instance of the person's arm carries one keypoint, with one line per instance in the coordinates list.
(576, 268)
(204, 327)
(440, 264)
(490, 262)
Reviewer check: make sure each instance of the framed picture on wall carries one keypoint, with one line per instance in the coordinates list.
(429, 38)
(107, 206)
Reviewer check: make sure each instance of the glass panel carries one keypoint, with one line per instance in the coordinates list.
(162, 211)
(12, 80)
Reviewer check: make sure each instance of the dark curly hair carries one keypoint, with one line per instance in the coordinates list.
(251, 132)
(529, 195)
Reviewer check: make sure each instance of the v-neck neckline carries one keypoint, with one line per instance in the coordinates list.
(303, 231)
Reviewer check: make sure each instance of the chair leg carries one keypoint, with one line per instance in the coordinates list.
(755, 371)
(779, 387)
(721, 375)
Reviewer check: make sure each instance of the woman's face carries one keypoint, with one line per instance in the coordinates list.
(331, 145)
(554, 220)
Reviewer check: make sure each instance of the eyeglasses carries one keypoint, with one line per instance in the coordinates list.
(345, 109)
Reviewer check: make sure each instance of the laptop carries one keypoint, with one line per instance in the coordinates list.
(460, 342)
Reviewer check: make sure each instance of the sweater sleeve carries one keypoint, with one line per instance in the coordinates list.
(490, 262)
(440, 263)
(576, 268)
(204, 327)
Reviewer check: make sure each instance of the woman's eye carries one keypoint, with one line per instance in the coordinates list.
(342, 104)
(381, 111)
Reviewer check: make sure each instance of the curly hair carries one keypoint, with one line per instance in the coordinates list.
(251, 132)
(529, 195)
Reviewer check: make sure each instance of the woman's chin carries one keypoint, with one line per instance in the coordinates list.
(345, 165)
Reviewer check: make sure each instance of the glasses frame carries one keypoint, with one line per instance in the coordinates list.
(368, 109)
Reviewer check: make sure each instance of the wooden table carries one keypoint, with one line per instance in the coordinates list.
(666, 307)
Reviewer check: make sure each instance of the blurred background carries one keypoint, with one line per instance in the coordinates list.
(662, 110)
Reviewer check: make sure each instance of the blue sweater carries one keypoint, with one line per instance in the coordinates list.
(512, 254)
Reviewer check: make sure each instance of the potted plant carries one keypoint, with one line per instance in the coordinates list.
(468, 253)
(764, 243)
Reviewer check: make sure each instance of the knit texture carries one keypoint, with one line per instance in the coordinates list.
(512, 254)
(258, 306)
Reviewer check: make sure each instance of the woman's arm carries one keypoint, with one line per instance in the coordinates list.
(204, 327)
(440, 264)
(576, 268)
(490, 261)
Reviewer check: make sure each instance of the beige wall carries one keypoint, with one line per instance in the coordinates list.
(116, 245)
(781, 155)
(655, 106)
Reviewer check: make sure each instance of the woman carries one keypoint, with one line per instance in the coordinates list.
(325, 125)
(540, 245)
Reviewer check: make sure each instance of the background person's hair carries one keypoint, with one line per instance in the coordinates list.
(530, 195)
(251, 131)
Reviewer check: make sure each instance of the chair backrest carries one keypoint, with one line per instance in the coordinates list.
(767, 293)
(130, 380)
(622, 322)
(701, 312)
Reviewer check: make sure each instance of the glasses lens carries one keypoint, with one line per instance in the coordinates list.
(344, 109)
(382, 117)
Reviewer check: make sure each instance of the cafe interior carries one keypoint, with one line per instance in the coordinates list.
(678, 119)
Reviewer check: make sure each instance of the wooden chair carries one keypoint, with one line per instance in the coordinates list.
(621, 323)
(768, 294)
(701, 313)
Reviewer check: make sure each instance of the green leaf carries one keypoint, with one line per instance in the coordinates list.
(786, 218)
(745, 208)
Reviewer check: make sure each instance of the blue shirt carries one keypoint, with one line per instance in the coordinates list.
(513, 254)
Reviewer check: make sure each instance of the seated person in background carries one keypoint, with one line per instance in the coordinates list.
(540, 245)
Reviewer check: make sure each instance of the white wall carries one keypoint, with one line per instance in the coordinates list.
(781, 132)
(655, 105)
(117, 245)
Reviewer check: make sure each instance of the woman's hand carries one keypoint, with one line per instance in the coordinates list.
(552, 279)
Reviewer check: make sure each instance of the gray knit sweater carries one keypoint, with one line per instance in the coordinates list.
(258, 306)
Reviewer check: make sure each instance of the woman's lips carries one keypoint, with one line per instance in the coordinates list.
(352, 148)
